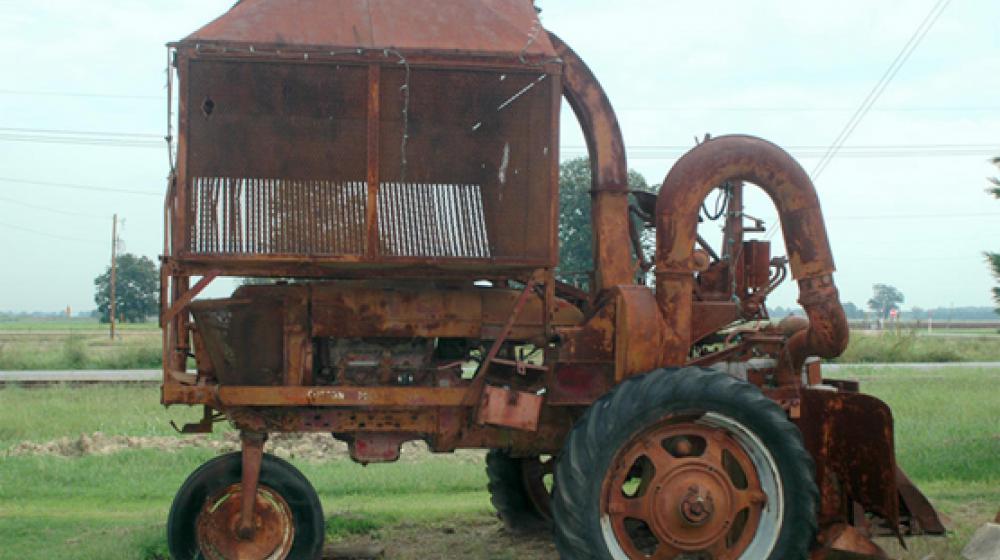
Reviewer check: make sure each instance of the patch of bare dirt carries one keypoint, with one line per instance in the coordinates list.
(476, 537)
(308, 447)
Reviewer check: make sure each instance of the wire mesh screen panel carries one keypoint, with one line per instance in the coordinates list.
(441, 128)
(249, 216)
(432, 220)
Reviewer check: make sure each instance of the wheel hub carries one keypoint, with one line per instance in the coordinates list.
(217, 527)
(692, 506)
(697, 507)
(681, 489)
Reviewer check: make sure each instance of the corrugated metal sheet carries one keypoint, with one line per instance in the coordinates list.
(504, 27)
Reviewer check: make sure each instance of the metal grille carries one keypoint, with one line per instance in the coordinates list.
(432, 220)
(245, 216)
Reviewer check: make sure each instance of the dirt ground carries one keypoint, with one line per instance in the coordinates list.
(481, 538)
(485, 538)
(307, 447)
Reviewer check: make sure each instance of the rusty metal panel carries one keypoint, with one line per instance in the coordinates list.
(580, 383)
(274, 120)
(923, 518)
(756, 266)
(339, 396)
(490, 132)
(710, 316)
(850, 437)
(509, 27)
(510, 409)
(348, 311)
(245, 342)
(638, 332)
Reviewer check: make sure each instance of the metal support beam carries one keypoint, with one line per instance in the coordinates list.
(253, 456)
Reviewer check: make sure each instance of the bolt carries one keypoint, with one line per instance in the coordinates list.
(683, 447)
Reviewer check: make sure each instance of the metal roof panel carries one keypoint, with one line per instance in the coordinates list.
(500, 27)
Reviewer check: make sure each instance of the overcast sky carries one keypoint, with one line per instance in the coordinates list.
(907, 209)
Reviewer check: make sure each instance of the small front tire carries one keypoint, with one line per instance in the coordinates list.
(205, 513)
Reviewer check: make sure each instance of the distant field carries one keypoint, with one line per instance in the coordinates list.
(77, 344)
(917, 346)
(84, 344)
(114, 505)
(81, 324)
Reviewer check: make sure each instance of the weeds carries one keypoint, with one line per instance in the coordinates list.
(74, 352)
(910, 347)
(344, 525)
(80, 351)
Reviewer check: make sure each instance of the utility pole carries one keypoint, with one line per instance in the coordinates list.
(114, 271)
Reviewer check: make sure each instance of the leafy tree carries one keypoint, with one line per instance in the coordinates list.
(852, 311)
(576, 259)
(884, 299)
(994, 258)
(136, 289)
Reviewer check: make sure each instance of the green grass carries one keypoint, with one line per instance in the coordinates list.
(33, 344)
(48, 504)
(50, 413)
(80, 324)
(911, 346)
(947, 420)
(115, 506)
(79, 350)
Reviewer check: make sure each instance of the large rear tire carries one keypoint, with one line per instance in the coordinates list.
(687, 463)
(520, 491)
(205, 511)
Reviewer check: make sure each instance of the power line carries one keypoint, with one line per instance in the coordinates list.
(916, 216)
(77, 187)
(667, 152)
(82, 137)
(50, 209)
(876, 92)
(816, 147)
(78, 94)
(83, 132)
(883, 83)
(752, 109)
(110, 142)
(52, 235)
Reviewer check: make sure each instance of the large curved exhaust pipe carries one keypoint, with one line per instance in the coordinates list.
(746, 158)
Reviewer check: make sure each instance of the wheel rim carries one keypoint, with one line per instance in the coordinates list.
(216, 526)
(536, 473)
(693, 487)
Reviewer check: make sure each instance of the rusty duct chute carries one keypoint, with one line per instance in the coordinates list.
(691, 180)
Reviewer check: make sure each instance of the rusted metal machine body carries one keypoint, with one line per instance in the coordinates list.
(395, 164)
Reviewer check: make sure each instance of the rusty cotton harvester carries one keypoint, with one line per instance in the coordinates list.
(394, 166)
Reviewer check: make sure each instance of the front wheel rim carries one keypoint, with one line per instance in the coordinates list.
(217, 523)
(692, 486)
